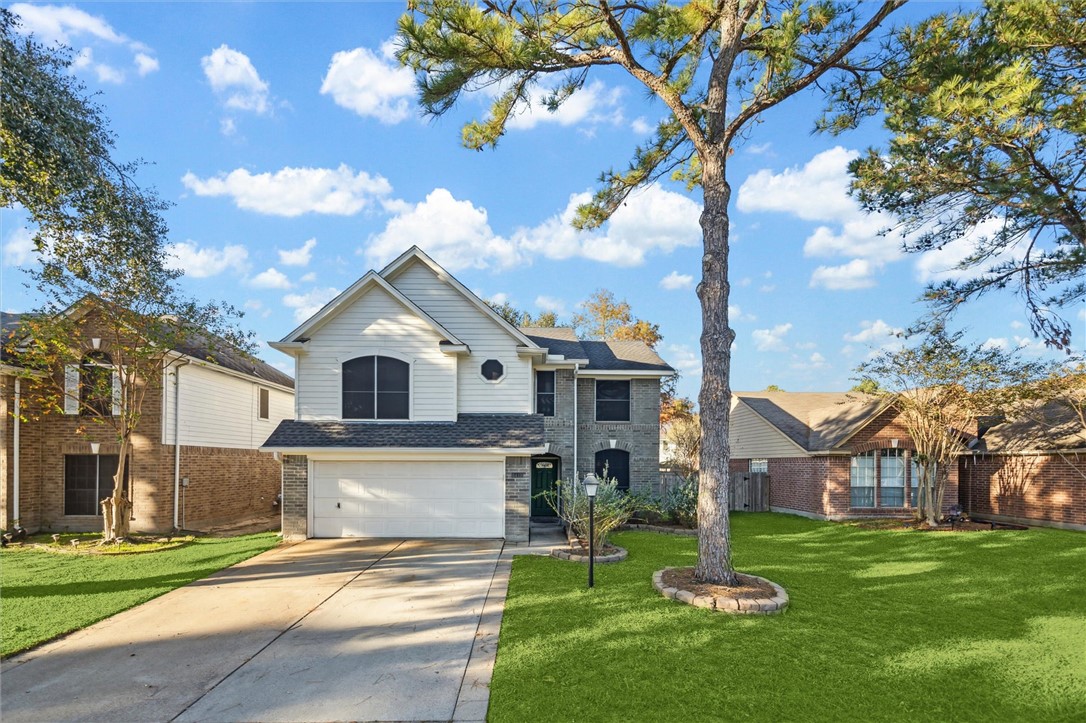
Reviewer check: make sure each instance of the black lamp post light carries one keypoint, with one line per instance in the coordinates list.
(591, 484)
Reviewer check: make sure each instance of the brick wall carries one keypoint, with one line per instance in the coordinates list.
(226, 485)
(558, 430)
(295, 497)
(1034, 489)
(640, 436)
(518, 494)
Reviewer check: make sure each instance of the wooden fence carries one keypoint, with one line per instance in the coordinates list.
(749, 490)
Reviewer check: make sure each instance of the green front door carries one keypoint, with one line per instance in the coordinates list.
(544, 475)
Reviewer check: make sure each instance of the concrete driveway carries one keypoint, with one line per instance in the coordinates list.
(319, 631)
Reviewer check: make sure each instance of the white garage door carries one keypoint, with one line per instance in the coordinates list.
(409, 499)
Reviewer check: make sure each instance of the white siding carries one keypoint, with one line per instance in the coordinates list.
(220, 410)
(487, 340)
(376, 324)
(751, 437)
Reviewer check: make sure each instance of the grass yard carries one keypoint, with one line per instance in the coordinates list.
(882, 625)
(46, 594)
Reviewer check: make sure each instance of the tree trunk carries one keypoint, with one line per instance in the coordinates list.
(117, 509)
(714, 533)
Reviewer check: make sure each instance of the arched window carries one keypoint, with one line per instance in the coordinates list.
(614, 464)
(376, 387)
(96, 384)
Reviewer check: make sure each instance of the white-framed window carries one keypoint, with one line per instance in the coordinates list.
(862, 478)
(492, 370)
(376, 387)
(544, 393)
(880, 478)
(263, 405)
(759, 465)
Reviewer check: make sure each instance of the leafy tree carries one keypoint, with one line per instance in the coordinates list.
(866, 386)
(102, 259)
(683, 441)
(716, 65)
(988, 115)
(519, 317)
(941, 387)
(773, 388)
(672, 406)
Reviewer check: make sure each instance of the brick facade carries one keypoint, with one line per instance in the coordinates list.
(518, 494)
(295, 497)
(225, 484)
(640, 436)
(1046, 489)
(818, 486)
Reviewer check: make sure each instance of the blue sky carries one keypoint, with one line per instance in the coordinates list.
(296, 159)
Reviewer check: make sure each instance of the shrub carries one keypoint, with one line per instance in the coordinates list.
(614, 508)
(679, 503)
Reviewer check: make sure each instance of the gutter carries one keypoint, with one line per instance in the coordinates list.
(576, 452)
(177, 440)
(15, 452)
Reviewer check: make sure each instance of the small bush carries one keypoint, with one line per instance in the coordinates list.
(679, 504)
(614, 508)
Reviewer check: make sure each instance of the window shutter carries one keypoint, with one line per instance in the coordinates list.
(71, 389)
(116, 392)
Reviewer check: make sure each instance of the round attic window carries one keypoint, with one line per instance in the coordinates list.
(493, 370)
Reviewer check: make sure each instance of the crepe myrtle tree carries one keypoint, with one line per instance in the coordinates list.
(715, 65)
(102, 266)
(941, 387)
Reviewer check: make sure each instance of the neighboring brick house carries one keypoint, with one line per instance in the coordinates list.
(423, 413)
(838, 455)
(194, 459)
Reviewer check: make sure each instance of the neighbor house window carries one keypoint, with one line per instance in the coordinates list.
(492, 370)
(263, 402)
(862, 480)
(376, 387)
(544, 393)
(614, 464)
(88, 479)
(880, 478)
(759, 465)
(96, 384)
(612, 400)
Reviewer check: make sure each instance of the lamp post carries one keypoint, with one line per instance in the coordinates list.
(591, 484)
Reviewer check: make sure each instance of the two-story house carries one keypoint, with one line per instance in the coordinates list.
(194, 462)
(420, 412)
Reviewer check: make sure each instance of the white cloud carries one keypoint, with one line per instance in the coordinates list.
(371, 84)
(307, 304)
(873, 332)
(499, 298)
(227, 126)
(271, 278)
(736, 314)
(19, 248)
(995, 343)
(1081, 315)
(550, 303)
(652, 220)
(942, 264)
(757, 149)
(201, 263)
(145, 64)
(856, 274)
(640, 126)
(685, 360)
(235, 80)
(294, 191)
(299, 256)
(858, 236)
(1019, 325)
(675, 281)
(816, 192)
(595, 103)
(771, 339)
(817, 359)
(455, 233)
(309, 278)
(68, 25)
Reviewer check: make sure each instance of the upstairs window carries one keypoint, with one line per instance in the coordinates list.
(544, 393)
(376, 387)
(492, 370)
(612, 400)
(96, 384)
(263, 403)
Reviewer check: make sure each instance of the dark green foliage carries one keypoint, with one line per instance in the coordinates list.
(883, 626)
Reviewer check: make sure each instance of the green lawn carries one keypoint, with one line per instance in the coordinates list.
(44, 594)
(883, 625)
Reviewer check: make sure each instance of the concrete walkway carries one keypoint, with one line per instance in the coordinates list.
(321, 630)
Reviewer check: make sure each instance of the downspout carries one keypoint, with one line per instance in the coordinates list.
(15, 453)
(177, 440)
(576, 392)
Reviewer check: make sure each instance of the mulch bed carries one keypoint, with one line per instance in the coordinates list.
(750, 589)
(964, 526)
(600, 552)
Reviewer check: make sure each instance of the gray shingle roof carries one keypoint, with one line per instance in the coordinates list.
(601, 355)
(816, 421)
(509, 431)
